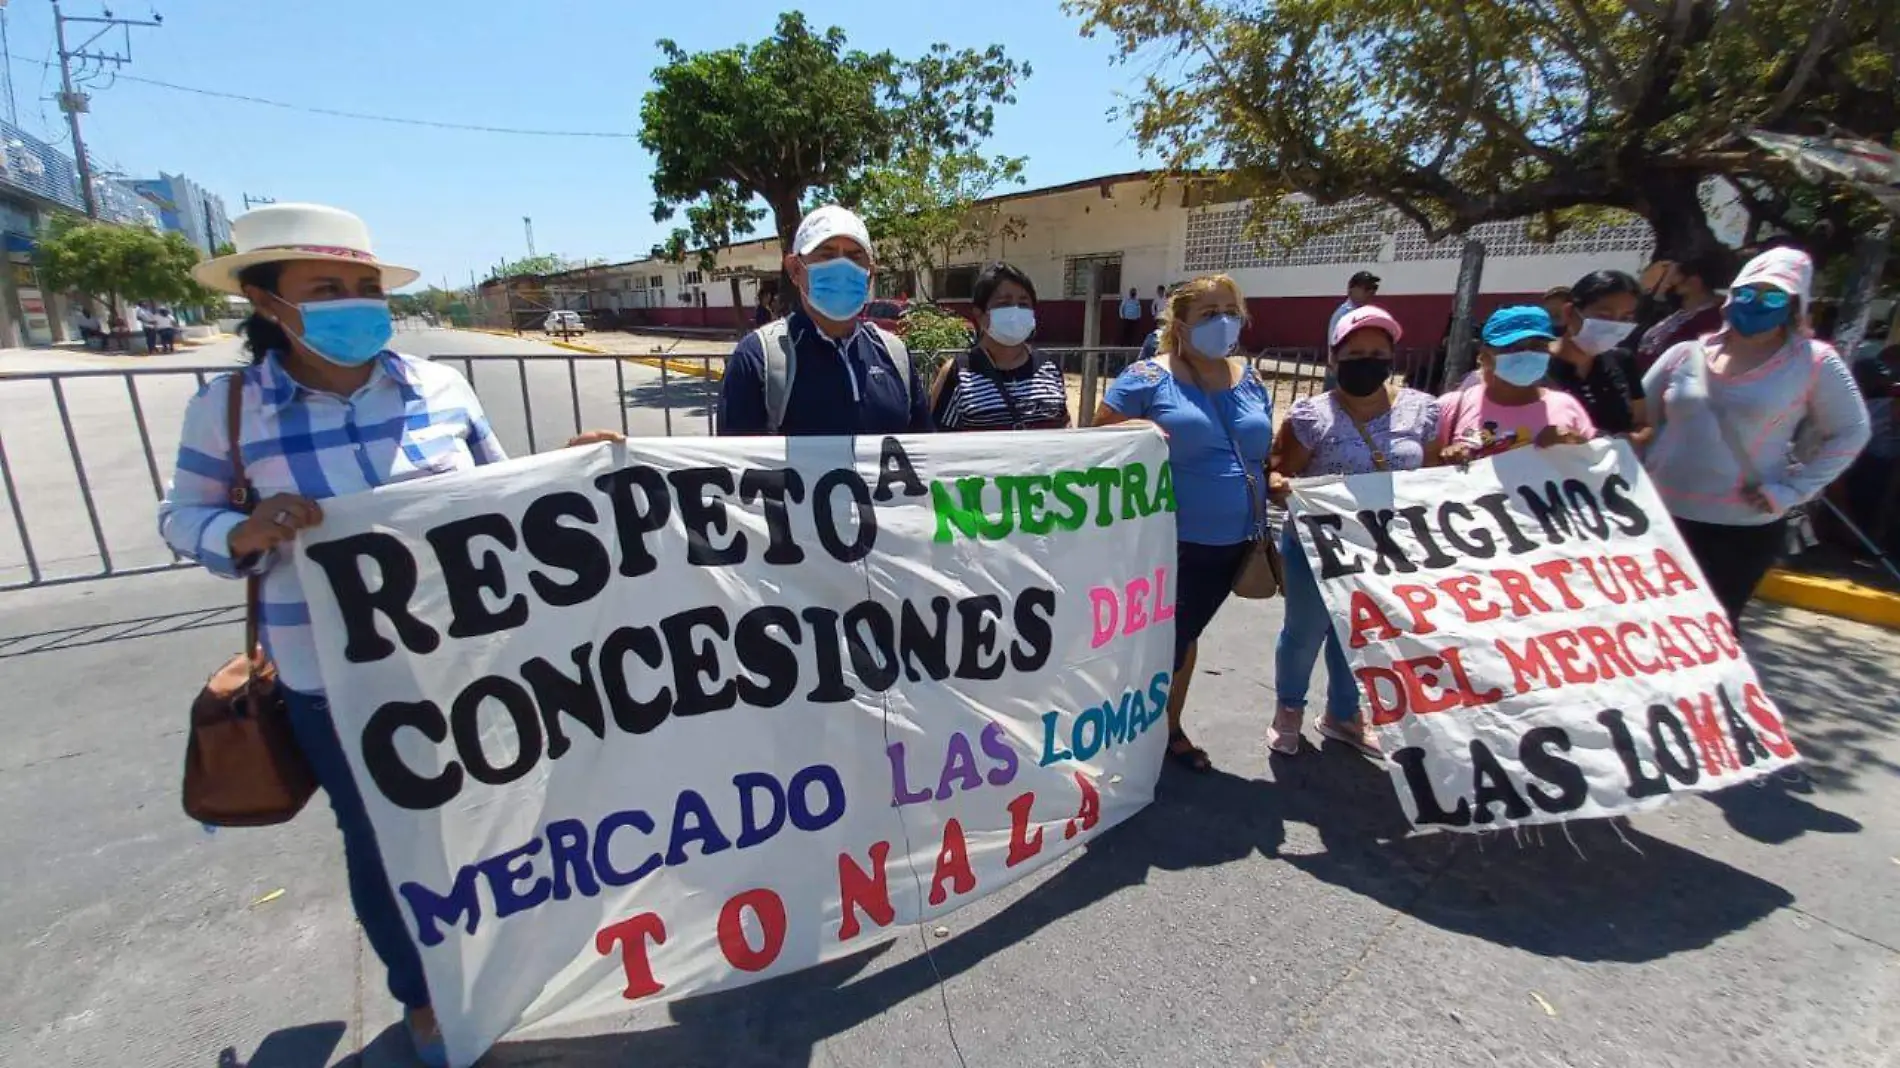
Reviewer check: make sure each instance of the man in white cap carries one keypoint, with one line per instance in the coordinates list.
(822, 369)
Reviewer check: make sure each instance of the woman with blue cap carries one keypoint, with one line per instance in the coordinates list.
(1509, 405)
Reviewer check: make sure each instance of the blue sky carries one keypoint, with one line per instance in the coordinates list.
(449, 201)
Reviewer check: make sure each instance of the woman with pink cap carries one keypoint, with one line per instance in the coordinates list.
(1753, 421)
(1367, 422)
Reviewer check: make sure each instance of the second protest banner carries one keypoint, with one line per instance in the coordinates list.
(1533, 639)
(637, 722)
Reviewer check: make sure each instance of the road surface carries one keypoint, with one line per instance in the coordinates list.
(1271, 913)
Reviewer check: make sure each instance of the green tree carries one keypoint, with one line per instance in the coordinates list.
(799, 111)
(922, 207)
(1458, 112)
(546, 263)
(113, 262)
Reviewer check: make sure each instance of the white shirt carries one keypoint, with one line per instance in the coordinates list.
(1338, 314)
(163, 321)
(1154, 306)
(146, 317)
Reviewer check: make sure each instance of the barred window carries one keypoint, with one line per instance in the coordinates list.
(1075, 274)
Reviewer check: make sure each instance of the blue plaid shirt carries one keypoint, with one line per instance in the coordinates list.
(411, 419)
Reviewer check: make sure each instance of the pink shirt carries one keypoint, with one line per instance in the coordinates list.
(1491, 428)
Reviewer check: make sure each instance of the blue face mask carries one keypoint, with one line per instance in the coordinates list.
(1751, 320)
(837, 289)
(1523, 368)
(1215, 337)
(348, 333)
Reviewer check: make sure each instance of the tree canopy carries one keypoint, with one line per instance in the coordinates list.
(801, 111)
(922, 208)
(546, 263)
(105, 260)
(1458, 112)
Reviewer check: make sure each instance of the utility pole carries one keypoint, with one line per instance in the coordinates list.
(6, 66)
(75, 104)
(528, 225)
(250, 201)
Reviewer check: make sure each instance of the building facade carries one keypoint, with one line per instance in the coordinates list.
(184, 206)
(1131, 232)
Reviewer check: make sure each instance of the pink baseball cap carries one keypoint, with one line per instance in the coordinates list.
(1363, 316)
(1787, 269)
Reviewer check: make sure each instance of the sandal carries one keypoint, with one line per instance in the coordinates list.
(1189, 755)
(1284, 736)
(1356, 733)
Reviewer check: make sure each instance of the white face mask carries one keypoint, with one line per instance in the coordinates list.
(1600, 335)
(1011, 326)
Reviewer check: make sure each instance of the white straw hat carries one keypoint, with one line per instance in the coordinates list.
(280, 232)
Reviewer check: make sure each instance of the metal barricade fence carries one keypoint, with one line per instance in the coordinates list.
(85, 455)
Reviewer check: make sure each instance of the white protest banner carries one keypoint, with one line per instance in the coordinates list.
(637, 722)
(1533, 639)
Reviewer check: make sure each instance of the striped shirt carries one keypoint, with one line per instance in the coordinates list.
(411, 419)
(972, 396)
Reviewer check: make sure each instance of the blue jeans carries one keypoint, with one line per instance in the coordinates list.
(1306, 627)
(370, 893)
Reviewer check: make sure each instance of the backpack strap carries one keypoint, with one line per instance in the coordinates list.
(899, 353)
(775, 343)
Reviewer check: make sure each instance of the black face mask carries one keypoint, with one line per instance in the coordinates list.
(1363, 377)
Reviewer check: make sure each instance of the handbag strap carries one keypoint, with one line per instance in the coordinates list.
(1365, 435)
(997, 380)
(1260, 532)
(243, 498)
(1751, 478)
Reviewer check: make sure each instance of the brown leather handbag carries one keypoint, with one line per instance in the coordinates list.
(243, 767)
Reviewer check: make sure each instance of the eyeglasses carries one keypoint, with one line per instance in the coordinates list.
(1772, 299)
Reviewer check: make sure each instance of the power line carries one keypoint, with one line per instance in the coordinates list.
(359, 115)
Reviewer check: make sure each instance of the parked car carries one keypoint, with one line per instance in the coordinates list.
(888, 314)
(563, 322)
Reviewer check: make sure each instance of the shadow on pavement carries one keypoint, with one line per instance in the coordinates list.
(1840, 696)
(1601, 893)
(688, 397)
(61, 638)
(304, 1046)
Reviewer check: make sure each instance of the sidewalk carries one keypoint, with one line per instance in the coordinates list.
(223, 351)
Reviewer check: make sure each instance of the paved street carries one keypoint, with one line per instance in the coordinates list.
(1267, 914)
(548, 389)
(1270, 914)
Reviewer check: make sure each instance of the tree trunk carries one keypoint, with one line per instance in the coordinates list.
(1673, 206)
(785, 218)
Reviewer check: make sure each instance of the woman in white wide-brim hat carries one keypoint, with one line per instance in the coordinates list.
(325, 409)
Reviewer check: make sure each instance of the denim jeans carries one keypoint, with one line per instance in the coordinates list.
(370, 893)
(1307, 626)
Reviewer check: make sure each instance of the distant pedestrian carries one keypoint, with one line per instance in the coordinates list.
(1001, 383)
(1218, 420)
(1556, 301)
(148, 322)
(1131, 317)
(1693, 295)
(1726, 459)
(323, 409)
(1361, 289)
(167, 328)
(90, 328)
(1156, 304)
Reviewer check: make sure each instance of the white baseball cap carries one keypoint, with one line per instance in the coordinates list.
(827, 222)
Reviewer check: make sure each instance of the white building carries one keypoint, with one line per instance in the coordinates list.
(1140, 235)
